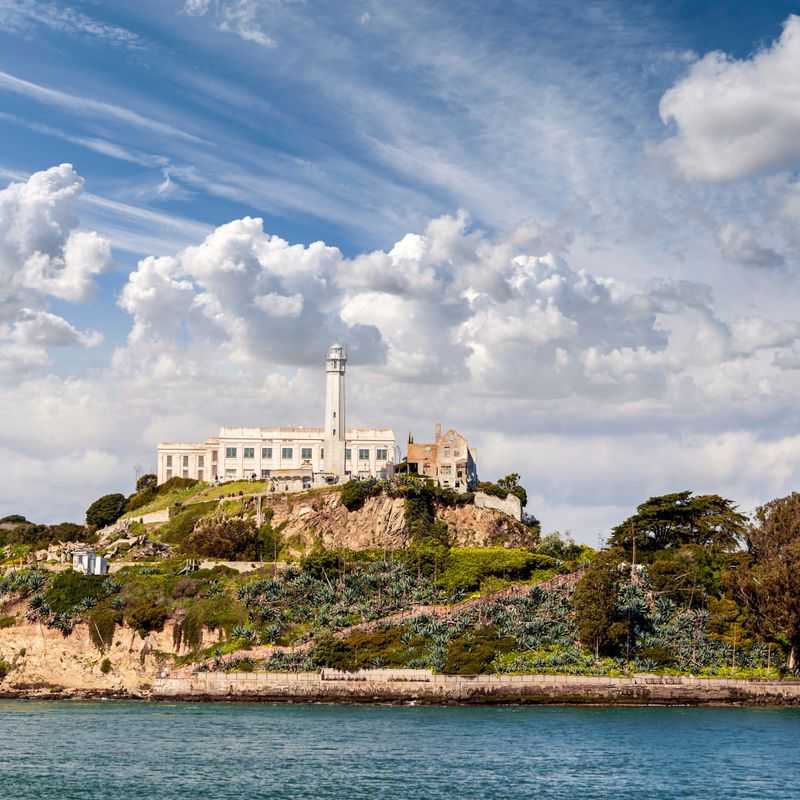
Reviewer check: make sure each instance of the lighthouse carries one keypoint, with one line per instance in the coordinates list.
(335, 430)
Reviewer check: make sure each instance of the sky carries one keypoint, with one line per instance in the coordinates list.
(567, 229)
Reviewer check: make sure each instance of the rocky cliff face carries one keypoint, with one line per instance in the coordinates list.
(43, 660)
(380, 523)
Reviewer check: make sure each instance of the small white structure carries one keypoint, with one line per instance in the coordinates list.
(89, 563)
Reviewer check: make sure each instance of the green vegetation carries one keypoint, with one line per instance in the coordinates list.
(767, 581)
(5, 668)
(689, 600)
(675, 520)
(468, 567)
(149, 498)
(105, 510)
(105, 666)
(39, 537)
(230, 538)
(147, 615)
(233, 488)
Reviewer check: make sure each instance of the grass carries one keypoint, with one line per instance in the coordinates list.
(165, 501)
(233, 487)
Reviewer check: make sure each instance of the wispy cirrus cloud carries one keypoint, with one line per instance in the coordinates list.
(21, 15)
(86, 105)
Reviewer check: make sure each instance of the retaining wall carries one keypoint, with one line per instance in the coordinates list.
(423, 686)
(511, 505)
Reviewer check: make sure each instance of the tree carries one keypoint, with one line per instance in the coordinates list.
(674, 520)
(512, 485)
(594, 602)
(148, 481)
(232, 539)
(106, 510)
(768, 581)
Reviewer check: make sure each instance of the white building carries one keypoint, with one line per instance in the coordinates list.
(290, 455)
(89, 563)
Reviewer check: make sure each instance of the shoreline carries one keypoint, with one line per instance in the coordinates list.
(403, 687)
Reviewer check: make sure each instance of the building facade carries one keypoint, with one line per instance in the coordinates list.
(309, 455)
(448, 460)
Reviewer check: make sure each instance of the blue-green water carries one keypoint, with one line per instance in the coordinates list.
(151, 750)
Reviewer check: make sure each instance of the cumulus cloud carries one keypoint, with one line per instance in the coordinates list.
(737, 118)
(739, 245)
(448, 306)
(504, 336)
(43, 255)
(244, 294)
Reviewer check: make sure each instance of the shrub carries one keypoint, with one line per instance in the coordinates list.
(106, 510)
(147, 616)
(328, 651)
(105, 666)
(141, 498)
(181, 525)
(468, 566)
(472, 652)
(103, 621)
(14, 518)
(147, 481)
(231, 539)
(8, 622)
(5, 668)
(353, 494)
(218, 613)
(68, 589)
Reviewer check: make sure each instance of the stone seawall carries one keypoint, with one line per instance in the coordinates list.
(424, 687)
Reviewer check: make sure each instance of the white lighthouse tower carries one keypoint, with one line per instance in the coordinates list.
(335, 429)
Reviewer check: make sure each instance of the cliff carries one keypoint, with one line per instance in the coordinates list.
(379, 523)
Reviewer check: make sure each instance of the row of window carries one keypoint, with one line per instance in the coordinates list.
(201, 462)
(287, 453)
(381, 454)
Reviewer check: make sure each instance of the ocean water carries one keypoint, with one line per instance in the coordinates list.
(155, 750)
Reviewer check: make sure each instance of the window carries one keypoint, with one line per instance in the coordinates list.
(230, 452)
(230, 473)
(199, 474)
(214, 454)
(186, 473)
(348, 453)
(305, 452)
(381, 454)
(286, 452)
(322, 452)
(363, 455)
(169, 474)
(334, 415)
(169, 461)
(266, 452)
(185, 462)
(249, 452)
(265, 473)
(201, 461)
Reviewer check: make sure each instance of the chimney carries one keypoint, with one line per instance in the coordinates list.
(438, 430)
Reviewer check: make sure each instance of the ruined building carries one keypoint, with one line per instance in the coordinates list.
(449, 460)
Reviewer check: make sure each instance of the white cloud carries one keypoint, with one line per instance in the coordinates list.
(737, 118)
(89, 106)
(585, 384)
(240, 17)
(739, 244)
(21, 14)
(43, 255)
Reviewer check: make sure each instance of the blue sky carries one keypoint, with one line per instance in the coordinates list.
(659, 179)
